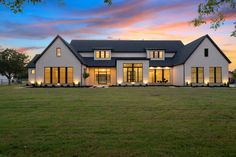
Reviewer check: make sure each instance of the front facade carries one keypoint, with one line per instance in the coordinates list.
(130, 62)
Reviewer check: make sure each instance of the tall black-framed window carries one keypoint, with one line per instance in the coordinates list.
(133, 73)
(197, 75)
(159, 75)
(215, 74)
(102, 75)
(206, 52)
(54, 75)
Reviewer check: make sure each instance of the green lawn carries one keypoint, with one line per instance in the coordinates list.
(148, 121)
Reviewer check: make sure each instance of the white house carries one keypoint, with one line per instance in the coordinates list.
(3, 79)
(123, 62)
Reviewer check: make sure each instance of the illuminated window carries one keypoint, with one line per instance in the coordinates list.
(102, 54)
(47, 75)
(58, 52)
(159, 54)
(133, 73)
(102, 76)
(215, 74)
(159, 75)
(69, 75)
(55, 75)
(197, 75)
(33, 71)
(62, 75)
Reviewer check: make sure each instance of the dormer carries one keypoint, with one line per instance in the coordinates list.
(102, 54)
(156, 54)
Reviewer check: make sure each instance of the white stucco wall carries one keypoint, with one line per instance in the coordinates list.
(31, 77)
(119, 70)
(49, 59)
(215, 59)
(178, 75)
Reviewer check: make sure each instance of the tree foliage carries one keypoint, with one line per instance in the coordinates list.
(85, 75)
(12, 63)
(214, 11)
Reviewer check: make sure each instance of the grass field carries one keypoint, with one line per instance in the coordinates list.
(148, 121)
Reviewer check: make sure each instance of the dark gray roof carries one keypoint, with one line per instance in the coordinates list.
(126, 45)
(32, 63)
(182, 52)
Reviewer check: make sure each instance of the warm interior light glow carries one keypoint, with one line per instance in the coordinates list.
(32, 82)
(145, 82)
(132, 82)
(33, 71)
(119, 82)
(76, 82)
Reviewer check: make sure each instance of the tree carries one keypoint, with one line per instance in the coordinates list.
(85, 74)
(17, 5)
(234, 75)
(213, 11)
(12, 63)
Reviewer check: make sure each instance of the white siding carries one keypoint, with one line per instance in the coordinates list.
(31, 77)
(178, 75)
(49, 59)
(119, 68)
(87, 54)
(215, 59)
(169, 55)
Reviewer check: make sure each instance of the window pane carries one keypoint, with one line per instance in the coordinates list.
(212, 75)
(151, 76)
(33, 71)
(167, 75)
(63, 75)
(218, 75)
(47, 74)
(97, 54)
(125, 74)
(159, 75)
(102, 54)
(200, 75)
(193, 75)
(70, 75)
(54, 75)
(58, 52)
(161, 54)
(151, 54)
(107, 54)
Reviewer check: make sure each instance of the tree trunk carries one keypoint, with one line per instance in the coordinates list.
(9, 81)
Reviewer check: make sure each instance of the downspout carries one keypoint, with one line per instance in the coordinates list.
(81, 75)
(184, 74)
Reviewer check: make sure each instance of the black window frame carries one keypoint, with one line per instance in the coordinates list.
(206, 52)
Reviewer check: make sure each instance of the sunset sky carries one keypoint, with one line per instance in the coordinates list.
(31, 31)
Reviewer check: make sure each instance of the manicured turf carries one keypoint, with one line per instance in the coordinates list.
(148, 121)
